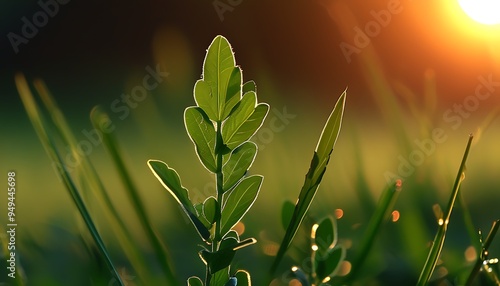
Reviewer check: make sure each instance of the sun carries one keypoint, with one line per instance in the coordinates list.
(483, 11)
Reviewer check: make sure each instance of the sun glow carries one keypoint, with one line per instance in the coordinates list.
(483, 11)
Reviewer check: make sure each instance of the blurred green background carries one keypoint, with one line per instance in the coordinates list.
(404, 81)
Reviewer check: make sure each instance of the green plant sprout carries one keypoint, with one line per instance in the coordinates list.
(326, 255)
(227, 115)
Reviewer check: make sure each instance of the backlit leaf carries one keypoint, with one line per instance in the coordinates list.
(239, 201)
(202, 132)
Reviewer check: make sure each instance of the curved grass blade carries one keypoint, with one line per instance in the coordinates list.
(437, 244)
(50, 147)
(382, 211)
(313, 177)
(97, 116)
(89, 175)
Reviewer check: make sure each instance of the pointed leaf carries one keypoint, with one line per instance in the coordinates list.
(170, 180)
(241, 113)
(248, 128)
(243, 278)
(328, 264)
(313, 177)
(194, 281)
(202, 132)
(239, 201)
(238, 164)
(217, 70)
(203, 98)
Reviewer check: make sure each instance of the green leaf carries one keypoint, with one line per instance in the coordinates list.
(243, 278)
(286, 213)
(202, 132)
(248, 128)
(211, 209)
(222, 258)
(233, 93)
(249, 86)
(325, 235)
(239, 201)
(201, 216)
(233, 234)
(194, 281)
(328, 264)
(218, 70)
(170, 180)
(238, 164)
(203, 98)
(220, 278)
(241, 113)
(313, 178)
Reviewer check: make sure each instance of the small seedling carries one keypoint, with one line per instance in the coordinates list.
(225, 117)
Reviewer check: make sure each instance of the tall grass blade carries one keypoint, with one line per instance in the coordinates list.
(50, 147)
(484, 253)
(313, 178)
(437, 244)
(383, 210)
(92, 181)
(97, 118)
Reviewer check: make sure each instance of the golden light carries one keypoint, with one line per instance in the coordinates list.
(482, 11)
(395, 216)
(339, 213)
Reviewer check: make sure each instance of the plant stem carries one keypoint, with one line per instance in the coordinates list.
(438, 242)
(220, 191)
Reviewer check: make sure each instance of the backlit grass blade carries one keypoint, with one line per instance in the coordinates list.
(98, 117)
(382, 211)
(482, 255)
(92, 181)
(437, 244)
(313, 178)
(42, 132)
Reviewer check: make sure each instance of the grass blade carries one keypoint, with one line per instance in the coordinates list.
(384, 207)
(93, 182)
(97, 117)
(41, 130)
(484, 252)
(437, 244)
(313, 177)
